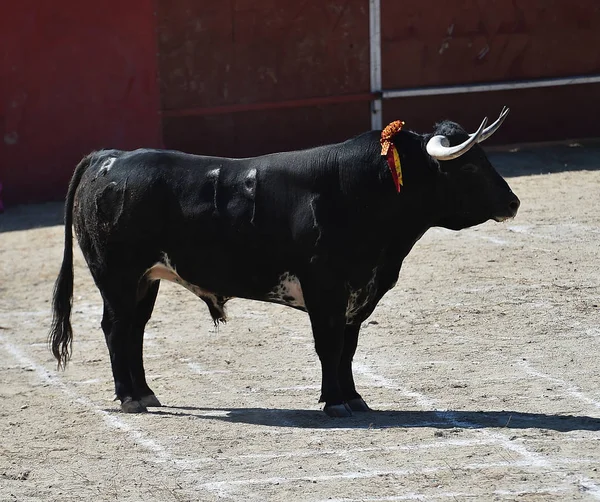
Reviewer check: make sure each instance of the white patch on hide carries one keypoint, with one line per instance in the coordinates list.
(106, 165)
(213, 173)
(360, 298)
(288, 291)
(250, 182)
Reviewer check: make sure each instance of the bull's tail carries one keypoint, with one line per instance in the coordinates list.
(60, 337)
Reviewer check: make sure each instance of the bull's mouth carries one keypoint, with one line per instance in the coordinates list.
(510, 212)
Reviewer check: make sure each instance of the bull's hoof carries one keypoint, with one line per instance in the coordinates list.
(131, 406)
(338, 410)
(358, 404)
(150, 401)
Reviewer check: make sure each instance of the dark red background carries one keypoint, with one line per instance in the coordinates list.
(75, 76)
(232, 77)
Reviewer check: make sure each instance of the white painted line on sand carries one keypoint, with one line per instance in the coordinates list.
(381, 381)
(374, 473)
(295, 387)
(161, 454)
(567, 388)
(533, 491)
(590, 487)
(448, 495)
(222, 488)
(112, 421)
(197, 368)
(375, 449)
(532, 459)
(408, 496)
(452, 417)
(28, 313)
(87, 382)
(493, 240)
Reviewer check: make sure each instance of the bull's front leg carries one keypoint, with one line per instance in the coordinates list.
(328, 332)
(327, 310)
(346, 378)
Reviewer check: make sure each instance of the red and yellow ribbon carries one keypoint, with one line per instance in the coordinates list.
(389, 150)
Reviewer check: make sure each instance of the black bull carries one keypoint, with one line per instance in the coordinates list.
(323, 230)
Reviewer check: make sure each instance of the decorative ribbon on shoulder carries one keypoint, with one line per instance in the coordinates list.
(389, 150)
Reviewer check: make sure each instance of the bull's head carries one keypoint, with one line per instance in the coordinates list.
(472, 191)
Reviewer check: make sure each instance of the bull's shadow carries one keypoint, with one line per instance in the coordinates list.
(315, 419)
(25, 217)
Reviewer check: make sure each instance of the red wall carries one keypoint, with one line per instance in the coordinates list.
(244, 77)
(221, 62)
(430, 43)
(240, 52)
(75, 76)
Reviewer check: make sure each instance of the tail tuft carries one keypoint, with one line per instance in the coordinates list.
(60, 337)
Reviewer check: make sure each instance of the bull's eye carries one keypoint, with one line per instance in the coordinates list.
(469, 168)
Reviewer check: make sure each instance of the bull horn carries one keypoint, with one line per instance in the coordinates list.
(439, 146)
(495, 126)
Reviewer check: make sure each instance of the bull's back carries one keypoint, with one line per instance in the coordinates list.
(208, 209)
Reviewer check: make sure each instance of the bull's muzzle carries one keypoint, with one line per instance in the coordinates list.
(511, 209)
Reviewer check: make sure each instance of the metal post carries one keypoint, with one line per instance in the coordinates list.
(375, 51)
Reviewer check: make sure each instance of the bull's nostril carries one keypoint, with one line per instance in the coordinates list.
(514, 206)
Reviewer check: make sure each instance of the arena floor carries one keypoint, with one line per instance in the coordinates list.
(482, 366)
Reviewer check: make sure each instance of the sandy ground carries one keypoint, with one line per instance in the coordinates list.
(482, 366)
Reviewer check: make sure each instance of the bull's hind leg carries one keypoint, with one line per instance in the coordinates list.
(117, 331)
(143, 312)
(117, 323)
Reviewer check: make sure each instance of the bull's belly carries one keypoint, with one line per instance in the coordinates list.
(286, 290)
